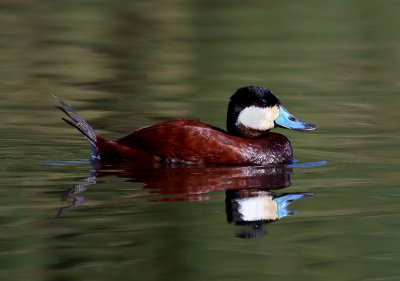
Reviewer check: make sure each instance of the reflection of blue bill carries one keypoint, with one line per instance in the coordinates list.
(285, 200)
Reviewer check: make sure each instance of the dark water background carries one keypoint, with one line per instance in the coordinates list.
(127, 64)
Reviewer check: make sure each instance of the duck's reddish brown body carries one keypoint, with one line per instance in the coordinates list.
(193, 142)
(252, 113)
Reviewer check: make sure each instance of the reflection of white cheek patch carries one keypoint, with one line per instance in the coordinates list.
(258, 118)
(258, 208)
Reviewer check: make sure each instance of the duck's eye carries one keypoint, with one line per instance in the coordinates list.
(263, 102)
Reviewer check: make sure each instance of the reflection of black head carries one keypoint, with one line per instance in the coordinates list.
(256, 232)
(235, 217)
(246, 97)
(235, 212)
(255, 207)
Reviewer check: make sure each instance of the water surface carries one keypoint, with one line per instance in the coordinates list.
(126, 65)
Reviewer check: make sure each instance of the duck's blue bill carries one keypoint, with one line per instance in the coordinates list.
(288, 121)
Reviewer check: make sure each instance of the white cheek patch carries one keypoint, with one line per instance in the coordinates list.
(258, 208)
(258, 118)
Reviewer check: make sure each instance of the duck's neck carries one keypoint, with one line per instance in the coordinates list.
(248, 133)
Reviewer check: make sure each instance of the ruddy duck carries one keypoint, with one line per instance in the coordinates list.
(252, 113)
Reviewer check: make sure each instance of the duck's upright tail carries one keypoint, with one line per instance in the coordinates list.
(80, 124)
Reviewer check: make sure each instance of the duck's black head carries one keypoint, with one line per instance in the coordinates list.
(253, 111)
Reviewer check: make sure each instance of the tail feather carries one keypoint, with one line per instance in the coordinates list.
(80, 124)
(79, 129)
(66, 113)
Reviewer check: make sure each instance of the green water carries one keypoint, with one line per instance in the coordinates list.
(126, 64)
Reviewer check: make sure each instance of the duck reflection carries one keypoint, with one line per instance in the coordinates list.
(249, 197)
